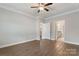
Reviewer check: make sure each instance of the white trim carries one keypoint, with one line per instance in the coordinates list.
(16, 11)
(11, 44)
(65, 13)
(7, 45)
(71, 42)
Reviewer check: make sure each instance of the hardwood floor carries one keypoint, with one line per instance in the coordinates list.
(41, 48)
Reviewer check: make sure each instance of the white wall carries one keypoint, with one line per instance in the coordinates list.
(15, 27)
(71, 26)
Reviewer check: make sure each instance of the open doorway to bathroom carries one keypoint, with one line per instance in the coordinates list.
(60, 30)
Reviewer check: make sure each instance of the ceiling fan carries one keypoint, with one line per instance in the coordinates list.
(42, 6)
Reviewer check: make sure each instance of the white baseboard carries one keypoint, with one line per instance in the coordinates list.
(71, 42)
(7, 45)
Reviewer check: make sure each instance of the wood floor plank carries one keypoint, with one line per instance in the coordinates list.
(41, 48)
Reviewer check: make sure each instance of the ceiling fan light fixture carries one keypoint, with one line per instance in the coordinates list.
(41, 8)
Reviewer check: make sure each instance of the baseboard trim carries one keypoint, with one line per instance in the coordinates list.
(7, 45)
(71, 42)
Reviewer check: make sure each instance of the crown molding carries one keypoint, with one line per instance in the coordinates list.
(32, 17)
(62, 14)
(17, 11)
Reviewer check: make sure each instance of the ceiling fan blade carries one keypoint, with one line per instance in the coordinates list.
(38, 11)
(43, 3)
(46, 9)
(48, 4)
(34, 7)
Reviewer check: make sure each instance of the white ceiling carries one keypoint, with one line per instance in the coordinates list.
(56, 8)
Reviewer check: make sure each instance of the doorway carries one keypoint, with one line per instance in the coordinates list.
(60, 30)
(45, 31)
(45, 35)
